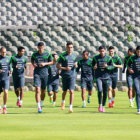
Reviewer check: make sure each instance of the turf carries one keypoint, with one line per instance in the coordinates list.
(25, 123)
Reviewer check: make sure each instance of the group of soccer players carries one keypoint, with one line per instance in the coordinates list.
(101, 69)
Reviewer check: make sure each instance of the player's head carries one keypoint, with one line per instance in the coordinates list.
(21, 51)
(40, 47)
(85, 54)
(55, 56)
(3, 51)
(69, 47)
(138, 51)
(102, 51)
(131, 51)
(111, 50)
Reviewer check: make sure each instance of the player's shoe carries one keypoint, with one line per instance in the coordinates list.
(51, 99)
(53, 105)
(110, 105)
(138, 113)
(4, 110)
(0, 110)
(62, 106)
(70, 110)
(88, 100)
(100, 109)
(113, 103)
(103, 110)
(39, 110)
(131, 104)
(18, 102)
(84, 106)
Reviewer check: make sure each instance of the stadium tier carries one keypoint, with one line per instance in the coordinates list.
(33, 12)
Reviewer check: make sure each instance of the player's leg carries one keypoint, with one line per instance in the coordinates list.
(50, 93)
(105, 90)
(55, 91)
(100, 89)
(110, 92)
(130, 89)
(83, 94)
(133, 94)
(114, 85)
(71, 89)
(0, 101)
(65, 83)
(137, 89)
(89, 88)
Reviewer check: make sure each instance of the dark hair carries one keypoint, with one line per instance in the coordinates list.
(20, 49)
(2, 48)
(102, 47)
(40, 44)
(69, 43)
(131, 50)
(54, 54)
(85, 51)
(138, 48)
(111, 47)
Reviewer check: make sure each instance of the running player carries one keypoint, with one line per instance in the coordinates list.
(129, 78)
(102, 64)
(5, 71)
(134, 68)
(53, 81)
(19, 65)
(117, 63)
(67, 63)
(85, 64)
(40, 60)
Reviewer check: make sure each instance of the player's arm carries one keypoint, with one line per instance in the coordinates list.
(78, 67)
(130, 62)
(59, 62)
(33, 61)
(109, 65)
(119, 63)
(124, 66)
(94, 63)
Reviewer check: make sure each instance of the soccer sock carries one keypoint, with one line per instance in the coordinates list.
(51, 96)
(70, 106)
(84, 102)
(138, 110)
(18, 98)
(113, 99)
(0, 106)
(4, 106)
(130, 100)
(38, 105)
(133, 99)
(53, 103)
(63, 101)
(100, 105)
(41, 103)
(110, 101)
(89, 96)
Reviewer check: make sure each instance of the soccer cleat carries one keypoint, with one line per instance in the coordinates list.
(4, 110)
(88, 100)
(53, 105)
(18, 102)
(62, 106)
(138, 113)
(84, 106)
(103, 110)
(51, 99)
(100, 109)
(39, 110)
(113, 103)
(131, 104)
(70, 110)
(110, 105)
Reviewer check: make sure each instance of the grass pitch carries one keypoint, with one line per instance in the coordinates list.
(24, 123)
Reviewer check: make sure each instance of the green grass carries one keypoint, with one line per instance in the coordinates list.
(24, 123)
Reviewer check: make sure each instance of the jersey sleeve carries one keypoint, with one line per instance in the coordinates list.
(110, 64)
(60, 59)
(130, 62)
(79, 66)
(124, 66)
(50, 58)
(119, 61)
(94, 61)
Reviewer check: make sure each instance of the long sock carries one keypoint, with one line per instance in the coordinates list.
(38, 105)
(18, 98)
(0, 106)
(130, 100)
(41, 103)
(63, 101)
(110, 101)
(4, 105)
(133, 99)
(53, 103)
(113, 99)
(84, 102)
(70, 106)
(21, 102)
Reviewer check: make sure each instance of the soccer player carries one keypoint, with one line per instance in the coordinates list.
(129, 78)
(85, 64)
(67, 63)
(102, 64)
(5, 71)
(53, 80)
(134, 68)
(117, 63)
(19, 65)
(40, 60)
